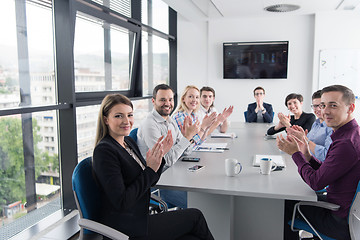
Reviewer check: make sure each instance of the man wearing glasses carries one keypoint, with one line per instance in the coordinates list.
(340, 171)
(259, 111)
(318, 138)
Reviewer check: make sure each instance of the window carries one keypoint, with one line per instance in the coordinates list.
(50, 96)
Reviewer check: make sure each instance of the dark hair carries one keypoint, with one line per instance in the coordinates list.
(348, 95)
(161, 87)
(107, 104)
(293, 96)
(259, 88)
(207, 89)
(316, 94)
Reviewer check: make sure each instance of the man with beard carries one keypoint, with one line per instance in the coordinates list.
(159, 122)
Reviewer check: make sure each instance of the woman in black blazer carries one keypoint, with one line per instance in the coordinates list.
(125, 180)
(294, 103)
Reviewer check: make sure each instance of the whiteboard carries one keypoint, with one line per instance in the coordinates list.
(340, 66)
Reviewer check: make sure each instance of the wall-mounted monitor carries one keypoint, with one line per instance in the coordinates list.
(255, 60)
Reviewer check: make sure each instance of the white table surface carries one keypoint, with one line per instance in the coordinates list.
(234, 205)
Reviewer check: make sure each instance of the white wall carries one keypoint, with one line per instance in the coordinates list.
(202, 65)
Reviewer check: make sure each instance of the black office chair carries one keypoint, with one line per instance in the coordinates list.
(353, 219)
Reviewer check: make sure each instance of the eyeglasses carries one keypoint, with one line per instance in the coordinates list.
(314, 106)
(259, 94)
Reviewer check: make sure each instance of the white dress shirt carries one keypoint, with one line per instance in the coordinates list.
(152, 128)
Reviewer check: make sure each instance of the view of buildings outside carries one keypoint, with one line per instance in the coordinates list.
(90, 69)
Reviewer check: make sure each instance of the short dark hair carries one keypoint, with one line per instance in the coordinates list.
(207, 89)
(161, 87)
(316, 94)
(348, 95)
(293, 96)
(259, 88)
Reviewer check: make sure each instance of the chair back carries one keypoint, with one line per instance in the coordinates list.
(133, 134)
(354, 216)
(86, 191)
(245, 115)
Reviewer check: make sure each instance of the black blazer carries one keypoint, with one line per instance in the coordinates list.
(305, 121)
(125, 186)
(252, 115)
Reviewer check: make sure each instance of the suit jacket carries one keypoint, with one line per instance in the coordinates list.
(125, 186)
(252, 115)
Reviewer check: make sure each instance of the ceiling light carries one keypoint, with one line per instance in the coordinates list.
(282, 8)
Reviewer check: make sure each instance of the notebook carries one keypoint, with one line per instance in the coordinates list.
(278, 159)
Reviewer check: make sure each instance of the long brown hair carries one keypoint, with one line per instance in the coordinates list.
(107, 103)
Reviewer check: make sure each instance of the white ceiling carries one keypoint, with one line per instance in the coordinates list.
(210, 9)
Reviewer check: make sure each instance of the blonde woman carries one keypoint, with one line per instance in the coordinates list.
(186, 113)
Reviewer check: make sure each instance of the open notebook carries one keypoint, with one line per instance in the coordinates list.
(278, 159)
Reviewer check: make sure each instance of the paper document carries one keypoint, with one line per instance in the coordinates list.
(223, 135)
(211, 147)
(278, 159)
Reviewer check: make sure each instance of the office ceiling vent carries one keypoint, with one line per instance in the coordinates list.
(282, 8)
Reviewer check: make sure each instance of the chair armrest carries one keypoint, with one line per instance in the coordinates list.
(102, 229)
(327, 205)
(160, 201)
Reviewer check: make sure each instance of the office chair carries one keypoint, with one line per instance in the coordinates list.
(245, 115)
(133, 134)
(87, 198)
(353, 219)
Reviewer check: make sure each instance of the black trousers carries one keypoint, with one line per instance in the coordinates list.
(323, 220)
(186, 224)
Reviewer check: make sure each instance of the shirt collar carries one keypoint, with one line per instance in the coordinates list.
(204, 110)
(158, 117)
(348, 126)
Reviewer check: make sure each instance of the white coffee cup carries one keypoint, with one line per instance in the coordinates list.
(267, 166)
(232, 167)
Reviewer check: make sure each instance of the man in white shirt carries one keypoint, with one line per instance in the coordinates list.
(159, 122)
(207, 98)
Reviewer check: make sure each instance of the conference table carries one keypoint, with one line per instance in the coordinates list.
(249, 205)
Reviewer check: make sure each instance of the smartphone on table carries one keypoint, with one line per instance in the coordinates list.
(195, 168)
(190, 159)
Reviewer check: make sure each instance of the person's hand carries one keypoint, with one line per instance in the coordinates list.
(225, 114)
(208, 120)
(154, 156)
(189, 129)
(167, 142)
(288, 145)
(284, 120)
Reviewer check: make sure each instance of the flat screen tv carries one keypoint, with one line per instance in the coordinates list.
(255, 60)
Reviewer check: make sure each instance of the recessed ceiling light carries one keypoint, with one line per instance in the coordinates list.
(282, 8)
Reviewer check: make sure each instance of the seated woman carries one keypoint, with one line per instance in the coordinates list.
(186, 111)
(294, 103)
(318, 138)
(125, 179)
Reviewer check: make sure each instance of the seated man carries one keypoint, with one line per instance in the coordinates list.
(259, 111)
(340, 171)
(207, 98)
(157, 124)
(318, 138)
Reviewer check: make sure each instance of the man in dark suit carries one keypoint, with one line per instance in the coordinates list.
(259, 111)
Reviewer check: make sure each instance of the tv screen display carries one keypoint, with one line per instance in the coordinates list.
(257, 60)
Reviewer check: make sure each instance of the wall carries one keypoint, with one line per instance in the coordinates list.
(336, 30)
(203, 66)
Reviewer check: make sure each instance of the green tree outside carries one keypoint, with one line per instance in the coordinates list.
(12, 175)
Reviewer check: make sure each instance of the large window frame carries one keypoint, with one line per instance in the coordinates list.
(64, 16)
